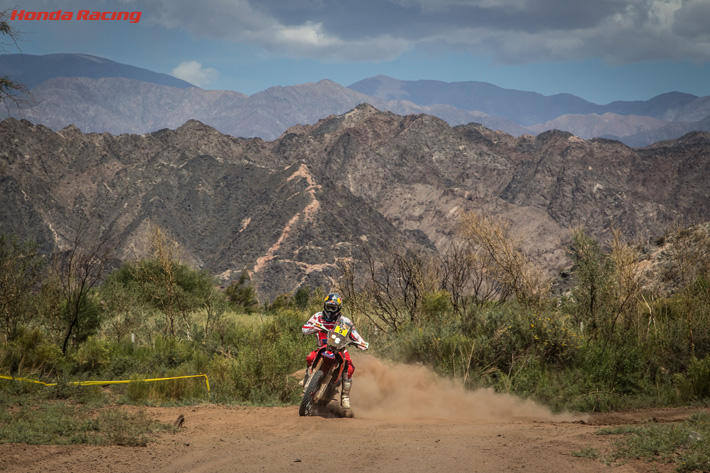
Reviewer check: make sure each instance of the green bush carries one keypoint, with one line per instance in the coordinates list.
(137, 390)
(93, 356)
(617, 368)
(436, 305)
(169, 352)
(275, 350)
(556, 339)
(31, 354)
(694, 385)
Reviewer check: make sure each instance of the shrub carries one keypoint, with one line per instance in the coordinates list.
(93, 356)
(694, 385)
(241, 293)
(276, 349)
(31, 354)
(615, 368)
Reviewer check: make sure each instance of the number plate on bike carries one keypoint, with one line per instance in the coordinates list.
(342, 330)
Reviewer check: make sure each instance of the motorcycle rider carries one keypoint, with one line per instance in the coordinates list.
(328, 317)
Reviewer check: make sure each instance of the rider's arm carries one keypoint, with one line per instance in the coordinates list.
(308, 328)
(361, 343)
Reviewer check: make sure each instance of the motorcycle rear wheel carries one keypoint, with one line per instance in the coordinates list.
(307, 401)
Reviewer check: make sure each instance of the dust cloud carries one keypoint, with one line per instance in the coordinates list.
(397, 391)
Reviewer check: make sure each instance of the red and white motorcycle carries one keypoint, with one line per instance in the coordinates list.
(327, 369)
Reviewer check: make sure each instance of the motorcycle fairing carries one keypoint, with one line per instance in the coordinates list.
(330, 359)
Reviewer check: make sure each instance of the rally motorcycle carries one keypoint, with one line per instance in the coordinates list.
(328, 367)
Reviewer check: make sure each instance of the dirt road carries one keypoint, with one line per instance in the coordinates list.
(406, 421)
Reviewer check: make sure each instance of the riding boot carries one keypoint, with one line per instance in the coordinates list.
(345, 393)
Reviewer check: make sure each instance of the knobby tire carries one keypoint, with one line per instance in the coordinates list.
(307, 401)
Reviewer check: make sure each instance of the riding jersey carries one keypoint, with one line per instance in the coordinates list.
(308, 329)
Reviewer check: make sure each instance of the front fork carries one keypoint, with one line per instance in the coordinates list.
(331, 374)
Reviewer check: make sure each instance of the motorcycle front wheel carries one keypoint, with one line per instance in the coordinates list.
(307, 401)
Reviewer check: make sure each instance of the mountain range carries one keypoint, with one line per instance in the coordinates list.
(99, 95)
(291, 209)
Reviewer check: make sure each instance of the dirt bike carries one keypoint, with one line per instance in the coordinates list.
(327, 368)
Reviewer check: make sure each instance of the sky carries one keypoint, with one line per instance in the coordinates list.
(600, 50)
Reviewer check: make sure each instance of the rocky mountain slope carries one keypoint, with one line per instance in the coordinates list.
(98, 95)
(288, 209)
(207, 190)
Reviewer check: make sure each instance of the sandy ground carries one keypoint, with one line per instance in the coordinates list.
(406, 420)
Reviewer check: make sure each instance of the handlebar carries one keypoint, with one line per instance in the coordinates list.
(319, 326)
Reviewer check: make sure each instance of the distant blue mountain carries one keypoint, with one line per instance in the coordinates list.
(664, 106)
(31, 70)
(525, 108)
(92, 92)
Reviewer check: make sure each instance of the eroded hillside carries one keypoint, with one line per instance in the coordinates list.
(289, 209)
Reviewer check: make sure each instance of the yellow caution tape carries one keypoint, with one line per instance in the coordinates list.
(26, 380)
(99, 383)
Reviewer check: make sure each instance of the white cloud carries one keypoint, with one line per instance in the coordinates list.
(309, 34)
(194, 73)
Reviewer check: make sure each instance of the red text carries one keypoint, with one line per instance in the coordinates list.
(131, 17)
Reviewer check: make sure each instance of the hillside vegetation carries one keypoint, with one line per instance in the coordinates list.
(481, 314)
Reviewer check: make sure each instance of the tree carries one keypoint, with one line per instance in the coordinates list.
(171, 287)
(123, 307)
(464, 275)
(609, 284)
(394, 288)
(9, 87)
(158, 277)
(213, 301)
(77, 272)
(241, 293)
(689, 271)
(507, 265)
(20, 271)
(302, 297)
(592, 268)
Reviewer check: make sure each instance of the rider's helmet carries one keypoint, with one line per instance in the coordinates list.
(331, 307)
